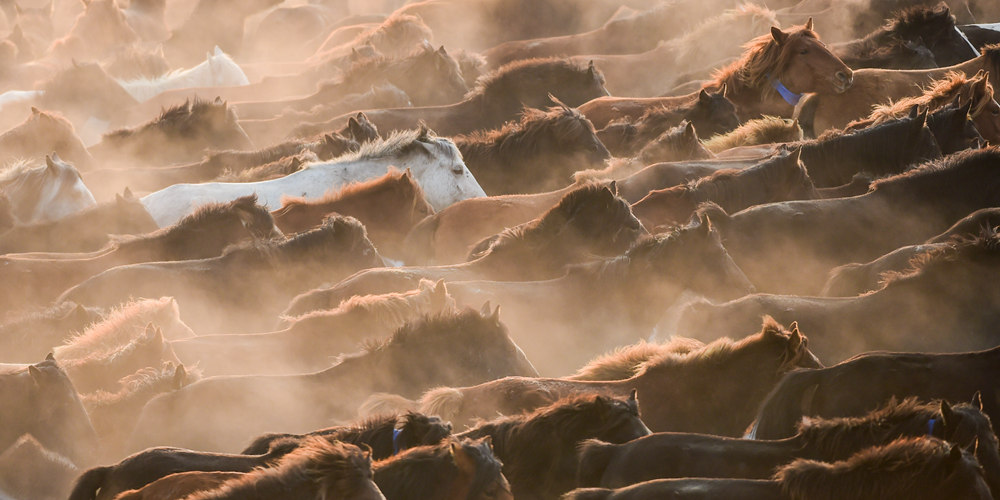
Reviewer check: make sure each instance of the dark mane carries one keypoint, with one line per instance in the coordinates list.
(939, 174)
(984, 249)
(910, 23)
(463, 327)
(736, 189)
(896, 470)
(308, 246)
(206, 218)
(319, 461)
(432, 469)
(762, 57)
(909, 416)
(524, 135)
(496, 83)
(177, 120)
(390, 180)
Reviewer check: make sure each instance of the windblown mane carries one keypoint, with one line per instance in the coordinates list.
(465, 327)
(206, 218)
(910, 23)
(759, 18)
(21, 172)
(735, 189)
(391, 178)
(303, 247)
(432, 469)
(896, 470)
(625, 361)
(764, 130)
(983, 248)
(176, 120)
(319, 461)
(762, 57)
(120, 326)
(398, 143)
(398, 30)
(146, 380)
(938, 94)
(939, 173)
(524, 135)
(388, 309)
(496, 83)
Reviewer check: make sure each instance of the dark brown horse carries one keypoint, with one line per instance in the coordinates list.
(387, 435)
(388, 206)
(83, 231)
(180, 134)
(245, 288)
(946, 297)
(738, 375)
(140, 469)
(540, 152)
(437, 350)
(451, 470)
(497, 98)
(828, 392)
(679, 455)
(589, 222)
(779, 178)
(539, 449)
(917, 468)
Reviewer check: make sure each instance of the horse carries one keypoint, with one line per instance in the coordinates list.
(919, 468)
(387, 435)
(317, 469)
(975, 91)
(634, 74)
(102, 371)
(537, 153)
(199, 32)
(43, 133)
(213, 292)
(147, 466)
(44, 193)
(953, 376)
(179, 134)
(625, 361)
(818, 113)
(312, 339)
(131, 63)
(41, 401)
(98, 30)
(766, 130)
(29, 336)
(498, 97)
(464, 346)
(83, 231)
(451, 469)
(540, 463)
(752, 82)
(853, 279)
(218, 70)
(25, 461)
(204, 234)
(83, 92)
(779, 178)
(588, 222)
(845, 326)
(933, 26)
(388, 206)
(610, 465)
(435, 163)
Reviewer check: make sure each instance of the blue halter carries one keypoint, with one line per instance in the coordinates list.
(930, 426)
(395, 440)
(789, 96)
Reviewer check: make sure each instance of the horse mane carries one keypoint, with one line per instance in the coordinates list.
(176, 118)
(119, 326)
(984, 247)
(149, 379)
(388, 309)
(969, 163)
(906, 24)
(22, 171)
(834, 434)
(729, 186)
(201, 219)
(938, 94)
(466, 326)
(717, 352)
(895, 470)
(392, 178)
(316, 460)
(762, 57)
(398, 143)
(302, 247)
(36, 116)
(430, 467)
(397, 26)
(624, 361)
(523, 136)
(496, 83)
(764, 130)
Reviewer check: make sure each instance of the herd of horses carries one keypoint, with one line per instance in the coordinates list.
(498, 249)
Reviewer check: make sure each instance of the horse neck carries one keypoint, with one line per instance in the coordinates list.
(753, 102)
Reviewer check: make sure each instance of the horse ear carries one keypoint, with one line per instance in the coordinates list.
(703, 96)
(613, 187)
(442, 51)
(590, 68)
(453, 449)
(217, 51)
(51, 355)
(36, 375)
(689, 131)
(35, 111)
(485, 310)
(948, 417)
(955, 456)
(496, 315)
(706, 225)
(49, 161)
(632, 395)
(180, 374)
(440, 290)
(809, 24)
(724, 89)
(977, 400)
(778, 35)
(914, 111)
(967, 108)
(127, 194)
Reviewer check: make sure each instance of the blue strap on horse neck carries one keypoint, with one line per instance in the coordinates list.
(395, 440)
(789, 96)
(930, 426)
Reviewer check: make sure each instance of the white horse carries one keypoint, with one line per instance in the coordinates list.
(218, 70)
(44, 192)
(435, 162)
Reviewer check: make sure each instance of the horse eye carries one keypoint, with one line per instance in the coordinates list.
(803, 52)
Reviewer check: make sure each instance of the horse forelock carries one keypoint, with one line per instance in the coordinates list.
(762, 59)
